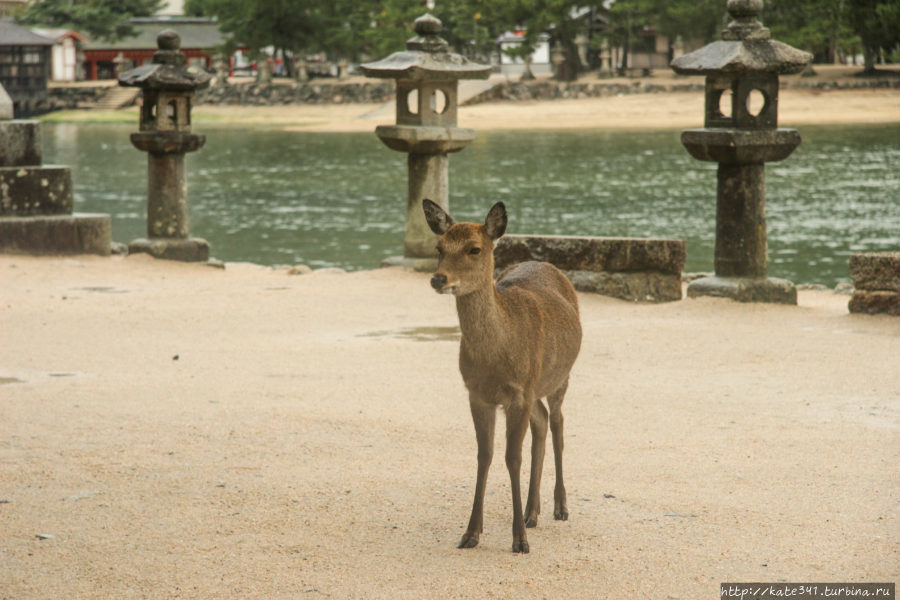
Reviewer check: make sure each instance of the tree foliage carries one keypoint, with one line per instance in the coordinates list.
(877, 22)
(100, 19)
(369, 29)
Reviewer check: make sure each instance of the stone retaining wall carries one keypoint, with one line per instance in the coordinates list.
(646, 270)
(252, 94)
(69, 97)
(376, 92)
(555, 90)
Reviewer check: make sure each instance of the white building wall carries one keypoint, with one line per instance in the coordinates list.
(172, 8)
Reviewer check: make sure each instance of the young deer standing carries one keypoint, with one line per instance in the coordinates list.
(520, 337)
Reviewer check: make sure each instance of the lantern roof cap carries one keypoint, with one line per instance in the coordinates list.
(427, 57)
(746, 47)
(169, 70)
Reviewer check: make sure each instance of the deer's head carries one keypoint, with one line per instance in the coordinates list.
(465, 250)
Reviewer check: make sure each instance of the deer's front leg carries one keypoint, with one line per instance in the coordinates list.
(517, 417)
(483, 416)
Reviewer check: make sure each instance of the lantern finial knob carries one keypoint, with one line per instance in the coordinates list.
(428, 24)
(168, 39)
(745, 24)
(427, 28)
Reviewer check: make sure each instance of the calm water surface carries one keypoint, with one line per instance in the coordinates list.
(334, 199)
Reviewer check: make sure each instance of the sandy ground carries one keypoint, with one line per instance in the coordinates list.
(188, 432)
(635, 111)
(669, 110)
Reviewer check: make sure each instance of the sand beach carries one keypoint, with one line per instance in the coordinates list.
(172, 430)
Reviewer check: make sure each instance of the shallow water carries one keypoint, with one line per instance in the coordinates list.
(338, 199)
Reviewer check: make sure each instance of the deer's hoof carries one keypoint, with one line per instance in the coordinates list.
(520, 546)
(561, 515)
(469, 540)
(532, 522)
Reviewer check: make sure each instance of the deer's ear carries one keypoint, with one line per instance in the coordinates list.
(436, 217)
(495, 223)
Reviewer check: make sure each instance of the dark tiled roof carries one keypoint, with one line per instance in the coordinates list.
(195, 33)
(16, 35)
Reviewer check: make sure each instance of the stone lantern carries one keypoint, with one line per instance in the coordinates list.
(168, 87)
(741, 133)
(427, 75)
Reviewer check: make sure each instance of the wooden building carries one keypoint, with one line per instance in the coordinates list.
(24, 67)
(199, 39)
(65, 55)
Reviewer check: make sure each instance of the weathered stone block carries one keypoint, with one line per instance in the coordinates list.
(647, 270)
(877, 302)
(745, 289)
(20, 143)
(79, 233)
(583, 253)
(28, 191)
(643, 286)
(185, 250)
(876, 271)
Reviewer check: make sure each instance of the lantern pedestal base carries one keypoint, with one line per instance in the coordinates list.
(182, 249)
(745, 289)
(76, 233)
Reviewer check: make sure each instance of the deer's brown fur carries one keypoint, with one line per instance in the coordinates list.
(520, 338)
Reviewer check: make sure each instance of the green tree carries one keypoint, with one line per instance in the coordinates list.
(391, 25)
(818, 26)
(290, 26)
(100, 19)
(627, 19)
(472, 26)
(877, 22)
(694, 21)
(700, 20)
(561, 19)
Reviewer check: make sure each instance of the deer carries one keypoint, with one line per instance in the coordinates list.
(520, 336)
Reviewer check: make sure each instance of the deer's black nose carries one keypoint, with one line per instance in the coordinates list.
(438, 281)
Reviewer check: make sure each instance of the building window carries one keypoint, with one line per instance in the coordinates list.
(31, 57)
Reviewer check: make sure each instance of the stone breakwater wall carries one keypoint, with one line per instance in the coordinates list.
(556, 90)
(376, 92)
(252, 94)
(69, 97)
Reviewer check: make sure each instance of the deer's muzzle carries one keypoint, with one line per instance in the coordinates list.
(439, 281)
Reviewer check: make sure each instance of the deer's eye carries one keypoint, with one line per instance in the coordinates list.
(475, 251)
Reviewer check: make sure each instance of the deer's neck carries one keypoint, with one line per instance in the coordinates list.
(481, 320)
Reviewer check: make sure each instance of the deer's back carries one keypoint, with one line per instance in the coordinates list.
(543, 308)
(541, 279)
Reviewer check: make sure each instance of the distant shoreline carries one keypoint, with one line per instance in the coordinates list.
(661, 110)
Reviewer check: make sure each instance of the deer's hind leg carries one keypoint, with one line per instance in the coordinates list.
(538, 424)
(554, 401)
